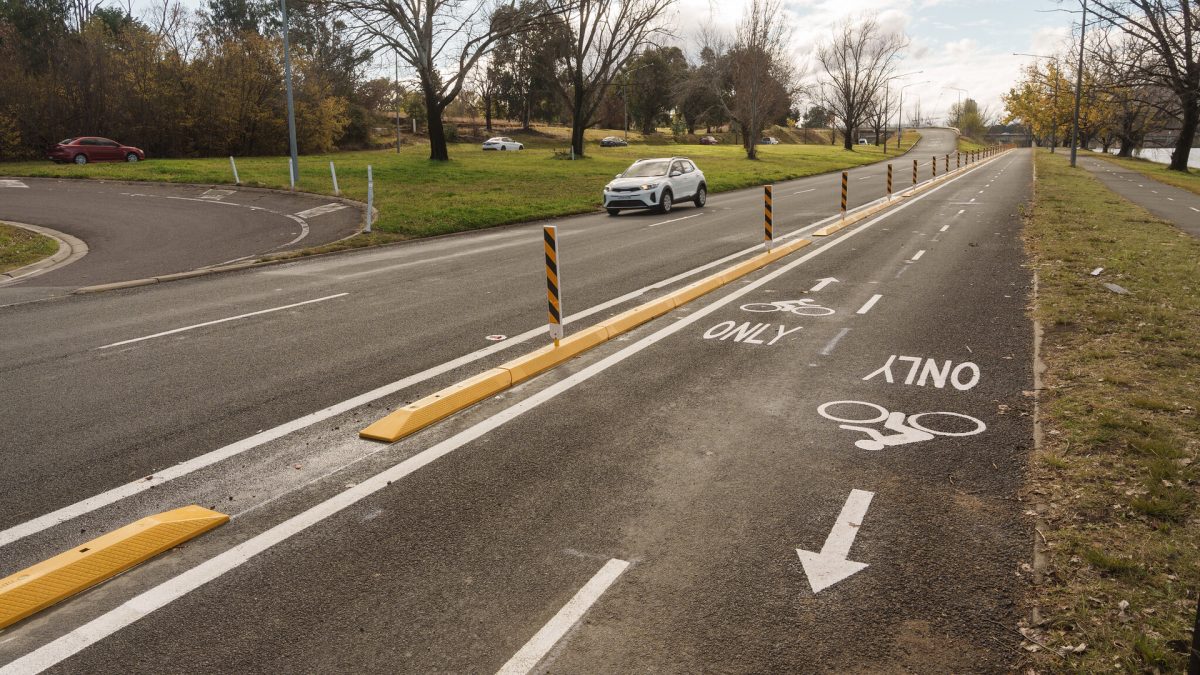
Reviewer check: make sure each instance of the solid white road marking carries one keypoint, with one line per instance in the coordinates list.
(830, 566)
(10, 183)
(1194, 208)
(527, 658)
(918, 255)
(322, 210)
(133, 610)
(676, 220)
(870, 303)
(216, 195)
(217, 321)
(832, 344)
(303, 230)
(944, 228)
(822, 283)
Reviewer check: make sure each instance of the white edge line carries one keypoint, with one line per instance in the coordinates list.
(303, 230)
(870, 303)
(225, 320)
(918, 255)
(527, 658)
(828, 348)
(141, 605)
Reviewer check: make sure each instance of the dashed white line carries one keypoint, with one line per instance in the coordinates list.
(217, 321)
(800, 192)
(1194, 208)
(676, 220)
(527, 658)
(944, 228)
(960, 212)
(918, 255)
(870, 303)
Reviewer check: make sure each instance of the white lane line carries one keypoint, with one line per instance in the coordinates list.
(1154, 191)
(1170, 199)
(11, 183)
(217, 321)
(800, 192)
(303, 230)
(138, 607)
(870, 303)
(322, 210)
(527, 658)
(676, 220)
(918, 255)
(944, 228)
(832, 344)
(960, 212)
(981, 192)
(972, 201)
(866, 178)
(1194, 208)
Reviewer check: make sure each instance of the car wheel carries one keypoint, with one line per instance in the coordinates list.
(520, 147)
(613, 212)
(131, 158)
(701, 196)
(81, 159)
(503, 148)
(666, 202)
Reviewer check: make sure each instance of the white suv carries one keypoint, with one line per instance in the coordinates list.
(656, 184)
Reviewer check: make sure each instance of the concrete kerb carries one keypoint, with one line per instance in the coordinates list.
(69, 250)
(459, 396)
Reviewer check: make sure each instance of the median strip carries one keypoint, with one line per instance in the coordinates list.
(52, 581)
(441, 404)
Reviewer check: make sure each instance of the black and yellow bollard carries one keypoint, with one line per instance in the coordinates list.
(889, 184)
(768, 226)
(933, 166)
(914, 172)
(958, 160)
(553, 291)
(845, 187)
(946, 164)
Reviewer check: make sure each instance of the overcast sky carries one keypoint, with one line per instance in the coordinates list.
(957, 43)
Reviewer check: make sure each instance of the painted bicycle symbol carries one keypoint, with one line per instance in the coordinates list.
(907, 429)
(803, 307)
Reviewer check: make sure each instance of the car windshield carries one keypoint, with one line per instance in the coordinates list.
(647, 169)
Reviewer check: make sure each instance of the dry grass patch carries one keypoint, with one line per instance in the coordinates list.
(1117, 470)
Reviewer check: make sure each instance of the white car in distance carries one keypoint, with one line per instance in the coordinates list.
(502, 143)
(656, 184)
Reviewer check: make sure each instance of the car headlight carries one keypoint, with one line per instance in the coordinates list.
(608, 187)
(649, 186)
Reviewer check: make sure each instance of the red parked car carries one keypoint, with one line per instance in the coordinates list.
(93, 149)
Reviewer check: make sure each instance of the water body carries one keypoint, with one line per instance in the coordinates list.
(1163, 155)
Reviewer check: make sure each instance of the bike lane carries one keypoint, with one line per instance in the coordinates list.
(704, 463)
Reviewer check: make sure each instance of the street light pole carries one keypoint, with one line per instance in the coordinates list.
(1078, 85)
(900, 110)
(291, 109)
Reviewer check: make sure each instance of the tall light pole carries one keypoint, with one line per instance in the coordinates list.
(1078, 85)
(960, 93)
(1057, 77)
(900, 113)
(291, 109)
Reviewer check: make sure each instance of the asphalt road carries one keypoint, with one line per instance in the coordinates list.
(1172, 204)
(142, 230)
(703, 462)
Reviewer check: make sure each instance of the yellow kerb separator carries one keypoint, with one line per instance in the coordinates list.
(52, 581)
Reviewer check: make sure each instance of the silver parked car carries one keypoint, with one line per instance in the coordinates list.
(656, 184)
(502, 143)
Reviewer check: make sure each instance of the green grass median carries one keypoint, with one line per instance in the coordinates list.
(20, 247)
(1118, 467)
(476, 189)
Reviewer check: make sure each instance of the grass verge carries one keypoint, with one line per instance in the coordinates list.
(966, 144)
(417, 197)
(1117, 470)
(1160, 172)
(20, 247)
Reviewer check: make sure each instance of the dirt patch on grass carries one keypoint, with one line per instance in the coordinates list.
(20, 247)
(1117, 469)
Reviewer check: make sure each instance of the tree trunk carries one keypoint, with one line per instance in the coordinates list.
(846, 138)
(1187, 134)
(437, 133)
(487, 113)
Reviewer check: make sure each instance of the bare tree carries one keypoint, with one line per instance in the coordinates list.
(755, 81)
(605, 36)
(1171, 32)
(857, 63)
(441, 41)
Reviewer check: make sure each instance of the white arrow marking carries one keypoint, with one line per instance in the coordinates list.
(822, 283)
(830, 566)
